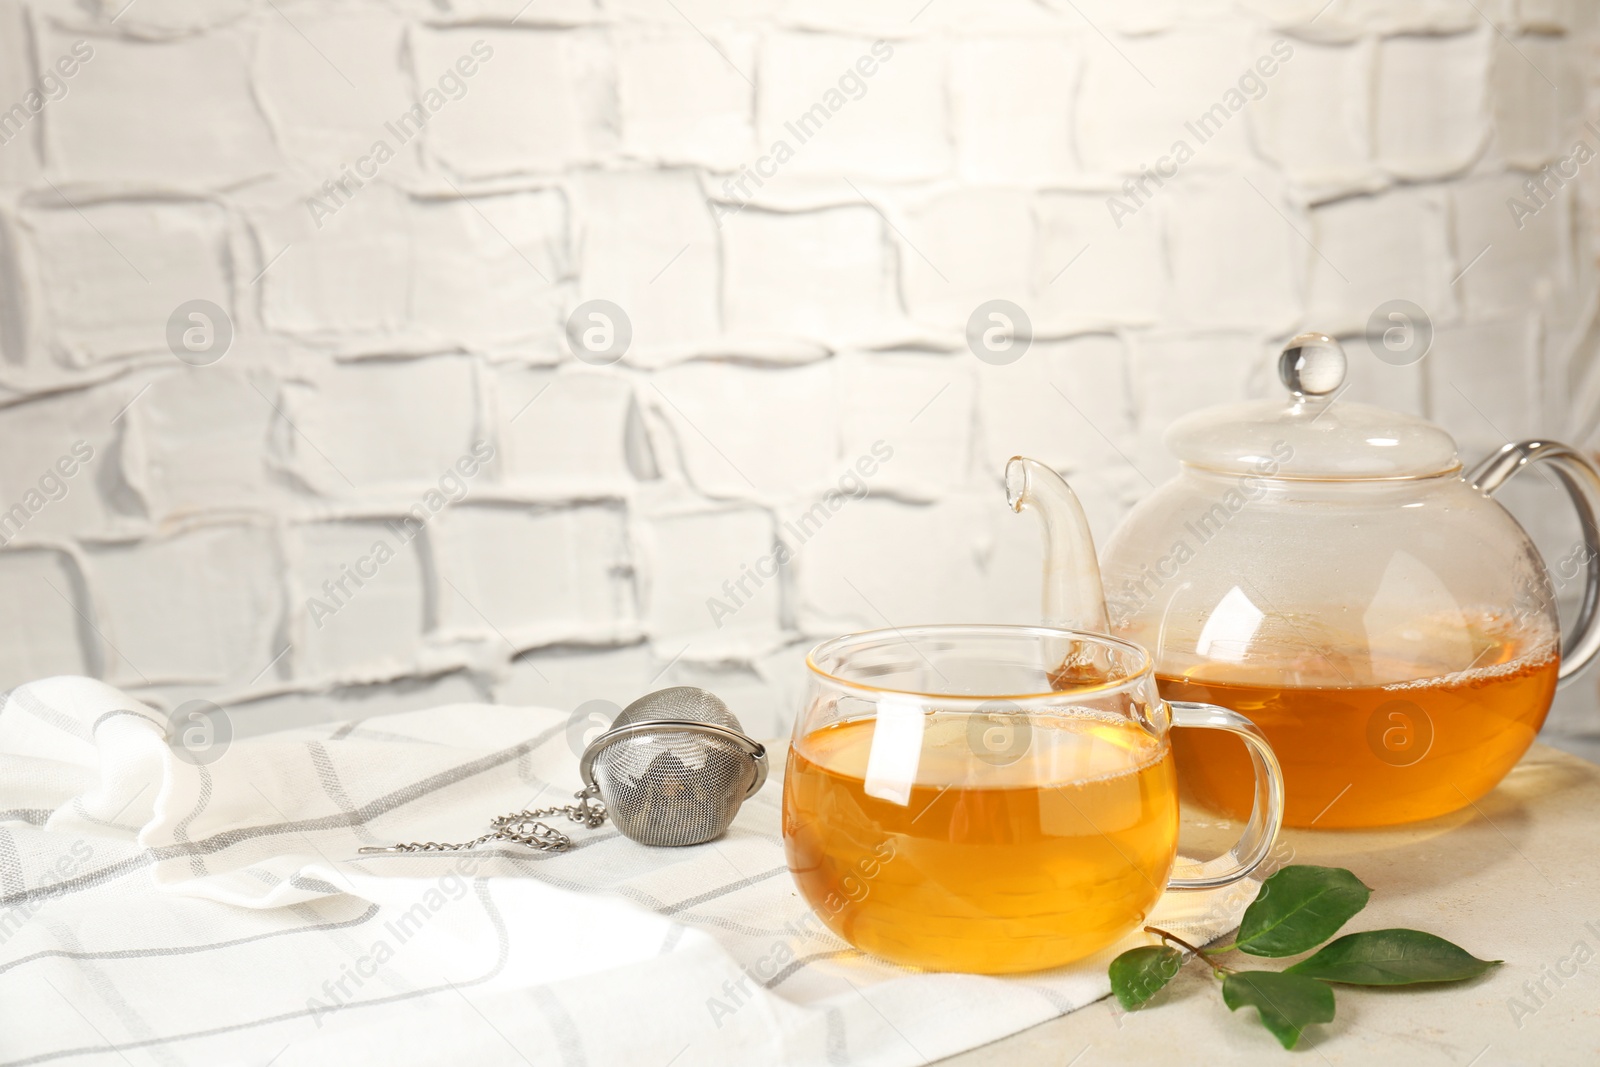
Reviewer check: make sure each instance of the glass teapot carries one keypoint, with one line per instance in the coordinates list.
(1326, 569)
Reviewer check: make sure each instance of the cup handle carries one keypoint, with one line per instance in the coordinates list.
(1266, 815)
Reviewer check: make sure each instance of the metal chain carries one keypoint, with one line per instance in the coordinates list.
(520, 827)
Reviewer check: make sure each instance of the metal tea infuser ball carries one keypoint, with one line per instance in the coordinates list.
(671, 770)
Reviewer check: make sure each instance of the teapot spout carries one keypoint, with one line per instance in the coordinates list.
(1073, 596)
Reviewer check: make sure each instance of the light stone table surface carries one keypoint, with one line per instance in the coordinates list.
(1517, 877)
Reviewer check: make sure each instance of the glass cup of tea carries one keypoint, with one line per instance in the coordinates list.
(996, 799)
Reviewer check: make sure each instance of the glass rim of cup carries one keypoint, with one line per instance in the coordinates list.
(905, 635)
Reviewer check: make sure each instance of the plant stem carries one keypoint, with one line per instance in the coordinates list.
(1174, 938)
(1217, 969)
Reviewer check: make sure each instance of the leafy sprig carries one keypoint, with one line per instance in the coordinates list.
(1297, 909)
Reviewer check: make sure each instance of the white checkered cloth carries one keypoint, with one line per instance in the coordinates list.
(155, 910)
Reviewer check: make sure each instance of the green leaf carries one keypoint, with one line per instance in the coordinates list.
(1287, 1003)
(1392, 957)
(1139, 973)
(1298, 909)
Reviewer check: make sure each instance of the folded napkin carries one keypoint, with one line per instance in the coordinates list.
(162, 909)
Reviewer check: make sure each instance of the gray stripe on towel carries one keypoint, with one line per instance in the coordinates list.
(186, 950)
(499, 965)
(219, 842)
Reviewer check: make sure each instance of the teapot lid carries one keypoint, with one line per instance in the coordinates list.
(1314, 435)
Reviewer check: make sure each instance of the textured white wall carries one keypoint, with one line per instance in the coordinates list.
(793, 303)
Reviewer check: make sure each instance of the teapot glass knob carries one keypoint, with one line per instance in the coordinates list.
(1312, 364)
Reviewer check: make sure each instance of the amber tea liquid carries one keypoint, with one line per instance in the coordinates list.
(1357, 756)
(979, 866)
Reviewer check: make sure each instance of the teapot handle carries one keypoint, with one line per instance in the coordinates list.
(1582, 481)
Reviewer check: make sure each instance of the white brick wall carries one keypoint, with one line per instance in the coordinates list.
(795, 304)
